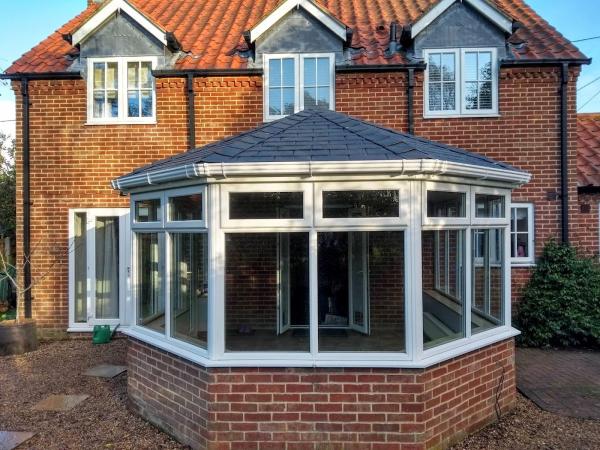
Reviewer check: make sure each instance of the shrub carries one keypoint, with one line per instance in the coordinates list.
(561, 302)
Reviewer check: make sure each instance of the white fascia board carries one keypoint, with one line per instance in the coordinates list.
(278, 13)
(493, 14)
(307, 169)
(107, 11)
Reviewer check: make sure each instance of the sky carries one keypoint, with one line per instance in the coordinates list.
(25, 23)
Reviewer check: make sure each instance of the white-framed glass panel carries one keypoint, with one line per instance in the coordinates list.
(266, 206)
(446, 204)
(150, 273)
(487, 279)
(99, 267)
(186, 208)
(441, 82)
(489, 206)
(317, 81)
(358, 203)
(281, 86)
(522, 243)
(121, 90)
(444, 275)
(188, 290)
(361, 291)
(267, 307)
(479, 81)
(147, 210)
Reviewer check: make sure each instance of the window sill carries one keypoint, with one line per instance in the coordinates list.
(522, 264)
(121, 122)
(462, 116)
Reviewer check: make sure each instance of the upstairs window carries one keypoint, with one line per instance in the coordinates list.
(121, 90)
(296, 82)
(461, 82)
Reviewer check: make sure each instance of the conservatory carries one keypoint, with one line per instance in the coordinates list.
(321, 241)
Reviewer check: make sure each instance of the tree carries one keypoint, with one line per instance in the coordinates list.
(7, 186)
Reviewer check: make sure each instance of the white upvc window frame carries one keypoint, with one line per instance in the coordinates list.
(122, 89)
(298, 80)
(490, 221)
(125, 285)
(184, 224)
(160, 196)
(402, 220)
(529, 260)
(446, 221)
(305, 222)
(460, 109)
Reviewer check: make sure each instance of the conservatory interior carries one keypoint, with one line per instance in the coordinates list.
(397, 263)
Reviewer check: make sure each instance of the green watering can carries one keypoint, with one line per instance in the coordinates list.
(102, 334)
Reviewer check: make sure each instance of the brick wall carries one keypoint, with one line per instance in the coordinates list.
(587, 235)
(376, 409)
(73, 163)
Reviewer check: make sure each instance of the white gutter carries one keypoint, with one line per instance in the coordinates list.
(311, 168)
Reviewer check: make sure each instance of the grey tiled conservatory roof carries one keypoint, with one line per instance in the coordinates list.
(317, 135)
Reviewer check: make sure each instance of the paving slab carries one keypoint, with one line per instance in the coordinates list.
(12, 439)
(565, 382)
(105, 371)
(60, 402)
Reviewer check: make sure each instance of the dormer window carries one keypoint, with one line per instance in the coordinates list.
(294, 82)
(461, 82)
(121, 90)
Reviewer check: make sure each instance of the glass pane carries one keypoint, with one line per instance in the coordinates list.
(435, 67)
(186, 207)
(112, 99)
(435, 96)
(446, 204)
(323, 72)
(470, 66)
(310, 71)
(485, 95)
(471, 95)
(310, 98)
(289, 100)
(443, 259)
(448, 67)
(99, 69)
(487, 309)
(288, 72)
(151, 307)
(266, 205)
(361, 291)
(189, 288)
(133, 104)
(112, 75)
(99, 102)
(147, 210)
(489, 205)
(522, 245)
(274, 72)
(339, 204)
(275, 102)
(133, 75)
(449, 96)
(267, 292)
(323, 97)
(146, 75)
(80, 267)
(522, 219)
(485, 66)
(147, 103)
(107, 268)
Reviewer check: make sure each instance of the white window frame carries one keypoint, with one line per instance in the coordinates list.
(305, 222)
(490, 221)
(184, 224)
(298, 80)
(460, 108)
(446, 221)
(529, 260)
(125, 287)
(403, 218)
(123, 117)
(161, 215)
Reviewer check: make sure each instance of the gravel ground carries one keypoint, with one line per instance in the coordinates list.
(104, 422)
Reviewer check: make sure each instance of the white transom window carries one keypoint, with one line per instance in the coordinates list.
(294, 82)
(461, 82)
(121, 90)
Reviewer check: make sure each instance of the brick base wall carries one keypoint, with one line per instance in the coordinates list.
(376, 409)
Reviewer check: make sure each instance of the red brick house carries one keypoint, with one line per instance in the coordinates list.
(309, 217)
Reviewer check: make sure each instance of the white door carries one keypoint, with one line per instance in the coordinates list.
(284, 284)
(358, 281)
(100, 256)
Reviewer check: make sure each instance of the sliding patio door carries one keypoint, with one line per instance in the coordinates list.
(99, 266)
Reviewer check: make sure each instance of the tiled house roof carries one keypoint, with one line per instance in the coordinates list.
(210, 31)
(322, 135)
(588, 150)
